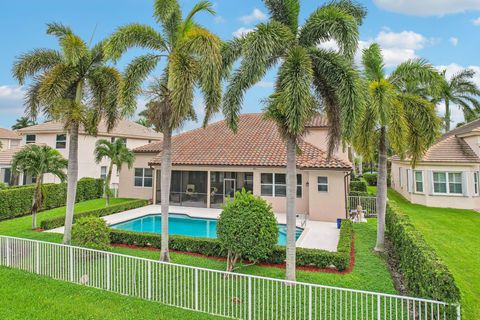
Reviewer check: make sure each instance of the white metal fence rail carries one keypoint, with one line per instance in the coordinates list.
(368, 204)
(210, 291)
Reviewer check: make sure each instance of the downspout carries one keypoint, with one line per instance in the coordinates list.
(345, 186)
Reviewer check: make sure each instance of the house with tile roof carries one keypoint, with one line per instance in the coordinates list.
(53, 134)
(447, 175)
(210, 164)
(9, 143)
(9, 139)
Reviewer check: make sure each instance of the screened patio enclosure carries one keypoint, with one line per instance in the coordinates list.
(192, 188)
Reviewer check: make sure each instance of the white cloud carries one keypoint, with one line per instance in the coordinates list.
(256, 15)
(219, 20)
(329, 45)
(453, 41)
(404, 39)
(265, 84)
(11, 100)
(428, 7)
(476, 21)
(241, 32)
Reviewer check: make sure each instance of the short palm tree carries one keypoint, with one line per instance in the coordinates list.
(395, 118)
(307, 74)
(192, 59)
(37, 161)
(23, 122)
(461, 90)
(118, 154)
(72, 85)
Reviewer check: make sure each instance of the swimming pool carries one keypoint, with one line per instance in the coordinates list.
(183, 224)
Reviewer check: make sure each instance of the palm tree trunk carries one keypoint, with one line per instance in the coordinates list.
(165, 177)
(107, 184)
(72, 177)
(291, 207)
(381, 191)
(360, 166)
(447, 115)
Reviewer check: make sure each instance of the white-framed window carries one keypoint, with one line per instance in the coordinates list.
(418, 179)
(299, 186)
(275, 185)
(61, 141)
(400, 177)
(103, 172)
(322, 184)
(475, 182)
(447, 182)
(30, 138)
(143, 177)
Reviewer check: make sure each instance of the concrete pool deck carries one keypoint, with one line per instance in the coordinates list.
(316, 234)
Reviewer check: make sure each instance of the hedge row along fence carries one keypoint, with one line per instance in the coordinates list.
(17, 201)
(211, 247)
(424, 273)
(115, 208)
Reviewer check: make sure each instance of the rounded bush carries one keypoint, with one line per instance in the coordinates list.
(358, 185)
(247, 229)
(91, 232)
(371, 178)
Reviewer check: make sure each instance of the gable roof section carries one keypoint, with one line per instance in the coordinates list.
(257, 143)
(124, 128)
(7, 154)
(9, 134)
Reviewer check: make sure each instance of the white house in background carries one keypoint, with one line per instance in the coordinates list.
(9, 142)
(448, 174)
(9, 139)
(54, 135)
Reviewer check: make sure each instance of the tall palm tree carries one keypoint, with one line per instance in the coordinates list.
(37, 161)
(306, 74)
(192, 59)
(396, 118)
(23, 122)
(118, 154)
(73, 85)
(461, 90)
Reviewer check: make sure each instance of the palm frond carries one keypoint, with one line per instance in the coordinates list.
(418, 71)
(355, 9)
(169, 15)
(372, 62)
(57, 83)
(231, 52)
(58, 29)
(34, 62)
(284, 11)
(74, 49)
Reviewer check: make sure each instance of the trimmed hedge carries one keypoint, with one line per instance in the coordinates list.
(17, 201)
(358, 194)
(425, 274)
(114, 208)
(211, 247)
(371, 178)
(358, 185)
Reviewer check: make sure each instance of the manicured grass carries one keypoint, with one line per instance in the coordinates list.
(28, 296)
(455, 236)
(369, 273)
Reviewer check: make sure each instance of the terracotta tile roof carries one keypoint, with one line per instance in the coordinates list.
(257, 143)
(7, 154)
(319, 121)
(452, 148)
(9, 134)
(124, 128)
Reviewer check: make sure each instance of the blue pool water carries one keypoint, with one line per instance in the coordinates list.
(185, 225)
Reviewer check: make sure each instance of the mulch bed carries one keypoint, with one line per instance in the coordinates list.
(271, 265)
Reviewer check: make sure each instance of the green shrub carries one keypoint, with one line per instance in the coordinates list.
(3, 185)
(358, 194)
(59, 221)
(247, 228)
(17, 201)
(358, 185)
(91, 232)
(213, 248)
(371, 178)
(425, 274)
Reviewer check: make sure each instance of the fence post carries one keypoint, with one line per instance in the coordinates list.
(37, 267)
(7, 250)
(459, 313)
(196, 289)
(379, 314)
(310, 302)
(249, 298)
(109, 270)
(72, 278)
(149, 280)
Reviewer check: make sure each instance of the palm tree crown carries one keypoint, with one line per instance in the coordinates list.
(23, 122)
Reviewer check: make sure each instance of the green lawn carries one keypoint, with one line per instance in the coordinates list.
(455, 236)
(370, 271)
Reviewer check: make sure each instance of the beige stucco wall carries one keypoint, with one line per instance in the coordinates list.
(319, 138)
(468, 200)
(8, 143)
(319, 205)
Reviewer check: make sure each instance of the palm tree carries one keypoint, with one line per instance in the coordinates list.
(37, 161)
(306, 74)
(23, 122)
(193, 59)
(118, 154)
(74, 86)
(396, 118)
(462, 91)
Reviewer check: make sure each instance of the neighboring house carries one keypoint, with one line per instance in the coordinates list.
(9, 144)
(9, 139)
(54, 135)
(210, 164)
(448, 174)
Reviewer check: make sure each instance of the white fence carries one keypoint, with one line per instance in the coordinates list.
(210, 291)
(369, 205)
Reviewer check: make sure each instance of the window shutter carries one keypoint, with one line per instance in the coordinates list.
(430, 181)
(464, 183)
(410, 180)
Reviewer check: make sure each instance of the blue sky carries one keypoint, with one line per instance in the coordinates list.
(446, 32)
